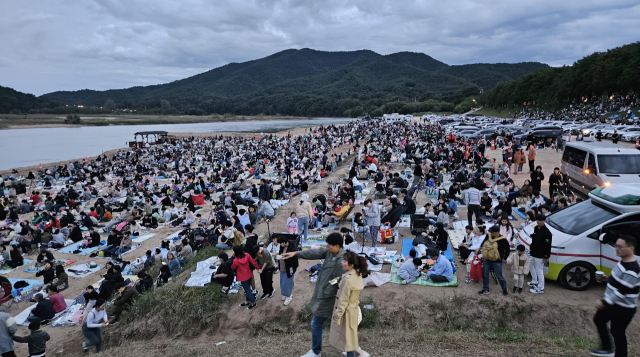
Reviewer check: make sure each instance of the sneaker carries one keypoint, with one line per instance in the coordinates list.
(519, 290)
(536, 290)
(483, 292)
(364, 353)
(226, 292)
(270, 295)
(310, 354)
(467, 276)
(264, 296)
(469, 281)
(245, 304)
(251, 306)
(113, 322)
(288, 301)
(404, 282)
(505, 293)
(532, 284)
(515, 289)
(284, 298)
(601, 352)
(85, 347)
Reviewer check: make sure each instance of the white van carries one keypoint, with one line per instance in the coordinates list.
(589, 165)
(584, 234)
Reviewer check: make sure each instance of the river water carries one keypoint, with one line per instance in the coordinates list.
(27, 147)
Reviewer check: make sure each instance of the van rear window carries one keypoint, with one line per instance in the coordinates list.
(619, 164)
(574, 156)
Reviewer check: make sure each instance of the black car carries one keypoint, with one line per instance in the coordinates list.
(540, 133)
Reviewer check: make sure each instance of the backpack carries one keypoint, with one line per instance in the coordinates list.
(490, 249)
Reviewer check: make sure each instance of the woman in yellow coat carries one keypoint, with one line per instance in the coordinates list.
(344, 322)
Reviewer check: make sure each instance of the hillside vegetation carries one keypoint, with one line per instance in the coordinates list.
(616, 71)
(301, 82)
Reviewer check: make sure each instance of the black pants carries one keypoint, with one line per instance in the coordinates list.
(620, 318)
(471, 209)
(532, 165)
(266, 280)
(464, 252)
(438, 279)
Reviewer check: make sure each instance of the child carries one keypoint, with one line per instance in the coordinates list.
(410, 272)
(37, 340)
(519, 267)
(292, 223)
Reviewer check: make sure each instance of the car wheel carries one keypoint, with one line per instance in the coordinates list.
(577, 276)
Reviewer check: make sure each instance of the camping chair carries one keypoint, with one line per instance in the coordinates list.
(7, 297)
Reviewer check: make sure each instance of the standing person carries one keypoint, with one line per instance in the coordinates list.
(244, 274)
(531, 157)
(540, 253)
(324, 293)
(620, 299)
(292, 223)
(344, 322)
(264, 260)
(373, 220)
(8, 328)
(36, 340)
(287, 269)
(495, 249)
(92, 328)
(472, 198)
(556, 182)
(536, 178)
(519, 267)
(304, 213)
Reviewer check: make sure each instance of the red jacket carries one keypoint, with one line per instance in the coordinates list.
(58, 302)
(35, 199)
(241, 266)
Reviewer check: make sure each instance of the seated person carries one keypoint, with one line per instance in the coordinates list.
(125, 244)
(486, 204)
(173, 264)
(185, 253)
(107, 288)
(61, 281)
(57, 239)
(57, 300)
(93, 239)
(408, 202)
(45, 256)
(410, 272)
(442, 271)
(47, 273)
(333, 216)
(224, 273)
(422, 243)
(504, 207)
(43, 310)
(144, 283)
(149, 222)
(127, 295)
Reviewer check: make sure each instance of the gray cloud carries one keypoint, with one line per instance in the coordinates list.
(70, 45)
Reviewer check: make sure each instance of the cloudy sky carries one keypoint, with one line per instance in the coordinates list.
(70, 45)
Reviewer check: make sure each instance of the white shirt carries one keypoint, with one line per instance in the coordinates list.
(373, 167)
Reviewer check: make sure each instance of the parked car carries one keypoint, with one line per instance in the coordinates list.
(631, 134)
(540, 133)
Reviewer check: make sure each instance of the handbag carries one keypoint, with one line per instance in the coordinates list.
(476, 268)
(386, 231)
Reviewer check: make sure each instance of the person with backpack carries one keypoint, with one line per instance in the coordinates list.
(495, 248)
(540, 252)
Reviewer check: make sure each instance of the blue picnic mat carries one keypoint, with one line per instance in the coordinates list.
(407, 246)
(76, 246)
(519, 214)
(31, 283)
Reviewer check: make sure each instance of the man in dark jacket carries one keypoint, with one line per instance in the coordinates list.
(76, 233)
(540, 253)
(93, 238)
(324, 293)
(492, 259)
(127, 295)
(45, 256)
(43, 310)
(408, 202)
(556, 182)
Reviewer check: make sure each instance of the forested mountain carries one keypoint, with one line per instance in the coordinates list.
(303, 82)
(616, 71)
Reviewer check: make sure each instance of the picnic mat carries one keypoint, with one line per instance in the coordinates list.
(422, 280)
(76, 246)
(21, 318)
(521, 214)
(142, 238)
(313, 245)
(82, 270)
(31, 283)
(202, 275)
(456, 237)
(63, 262)
(7, 269)
(407, 246)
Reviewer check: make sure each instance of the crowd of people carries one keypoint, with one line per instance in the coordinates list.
(588, 111)
(242, 182)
